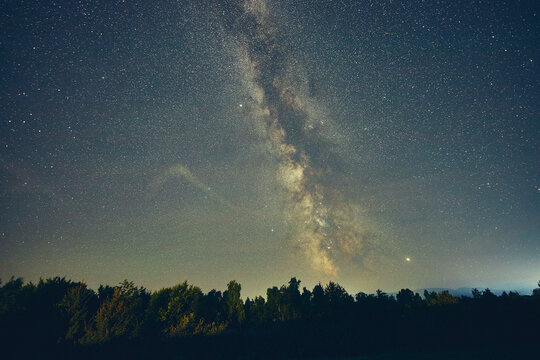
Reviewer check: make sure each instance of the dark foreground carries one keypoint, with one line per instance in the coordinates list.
(258, 349)
(60, 319)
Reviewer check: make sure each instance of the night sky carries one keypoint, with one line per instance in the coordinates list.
(385, 144)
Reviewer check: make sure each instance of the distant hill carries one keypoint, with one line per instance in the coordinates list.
(467, 291)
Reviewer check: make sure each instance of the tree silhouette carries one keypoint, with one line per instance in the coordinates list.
(292, 306)
(408, 299)
(11, 296)
(324, 322)
(318, 301)
(536, 292)
(80, 304)
(336, 295)
(235, 305)
(120, 315)
(440, 298)
(273, 305)
(488, 295)
(257, 310)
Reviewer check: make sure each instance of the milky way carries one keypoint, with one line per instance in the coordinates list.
(378, 144)
(323, 222)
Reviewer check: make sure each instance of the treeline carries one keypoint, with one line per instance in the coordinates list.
(325, 321)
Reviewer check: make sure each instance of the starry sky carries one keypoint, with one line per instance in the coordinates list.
(379, 144)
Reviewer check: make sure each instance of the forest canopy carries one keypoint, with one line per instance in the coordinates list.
(61, 312)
